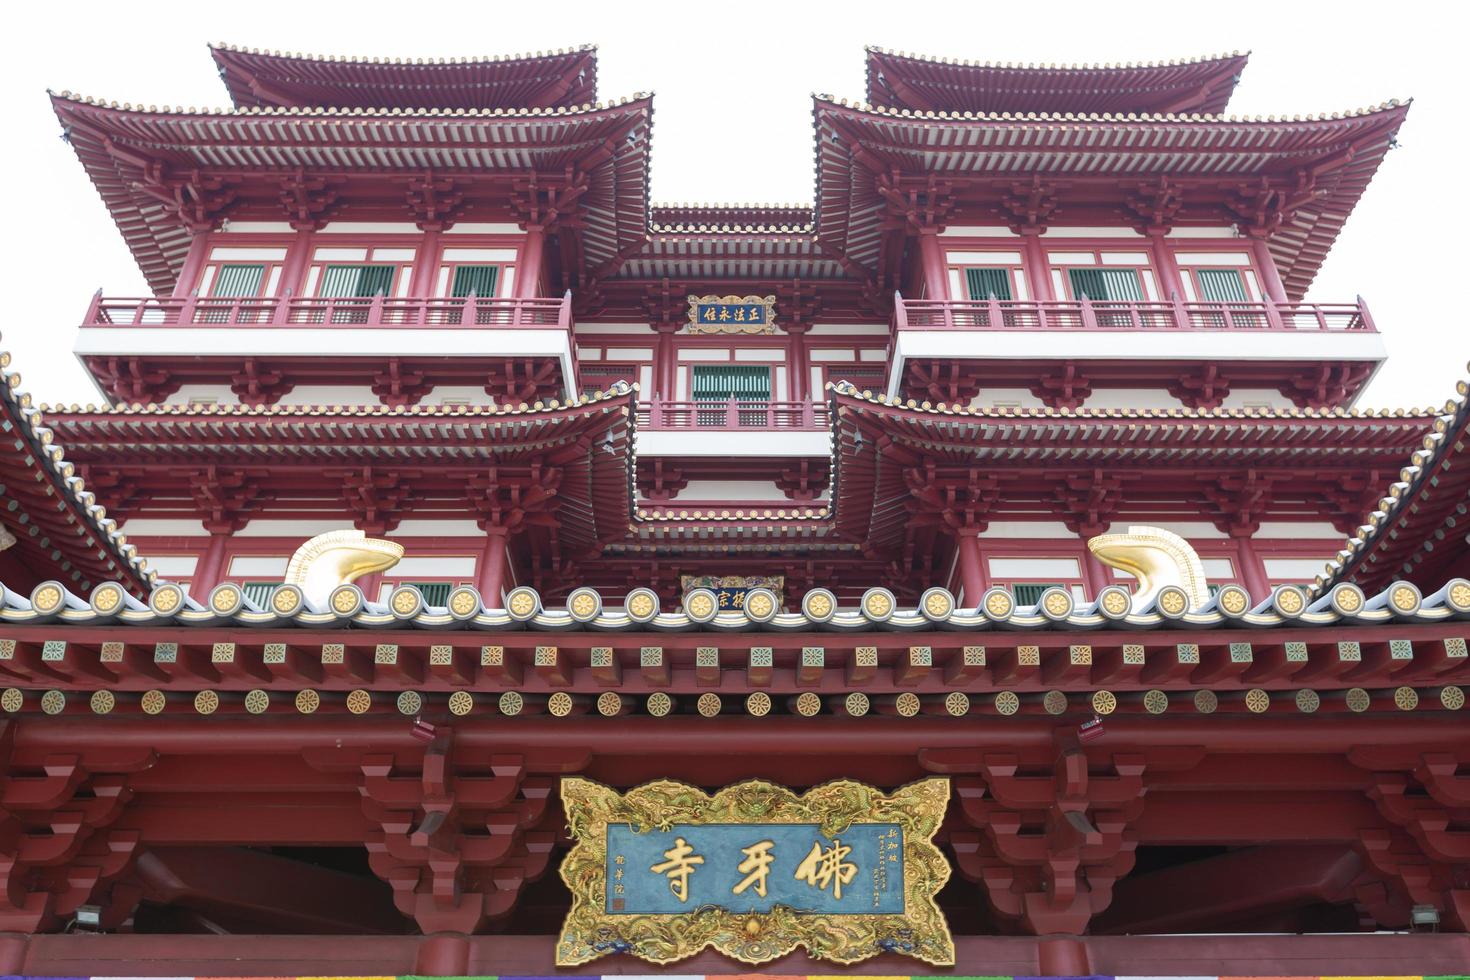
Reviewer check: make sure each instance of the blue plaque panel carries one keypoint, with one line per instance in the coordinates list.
(754, 868)
(730, 313)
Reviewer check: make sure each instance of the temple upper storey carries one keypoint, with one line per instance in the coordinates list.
(273, 79)
(1200, 86)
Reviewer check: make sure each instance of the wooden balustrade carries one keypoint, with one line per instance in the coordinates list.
(732, 413)
(996, 314)
(450, 312)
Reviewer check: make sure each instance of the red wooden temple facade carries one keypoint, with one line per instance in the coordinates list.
(1028, 307)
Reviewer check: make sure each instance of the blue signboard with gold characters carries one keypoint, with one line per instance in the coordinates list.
(732, 314)
(755, 871)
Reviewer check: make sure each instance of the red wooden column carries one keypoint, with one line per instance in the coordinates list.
(664, 362)
(528, 269)
(1038, 271)
(425, 263)
(1270, 276)
(1171, 284)
(210, 569)
(1252, 569)
(1095, 574)
(293, 270)
(491, 577)
(193, 263)
(971, 567)
(796, 363)
(931, 260)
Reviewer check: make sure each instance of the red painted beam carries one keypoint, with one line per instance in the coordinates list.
(224, 956)
(34, 739)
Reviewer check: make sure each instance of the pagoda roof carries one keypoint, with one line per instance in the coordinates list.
(1417, 532)
(56, 521)
(731, 217)
(1220, 160)
(713, 252)
(590, 440)
(153, 165)
(908, 81)
(549, 80)
(868, 494)
(870, 491)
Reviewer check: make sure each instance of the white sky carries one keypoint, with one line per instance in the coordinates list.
(732, 119)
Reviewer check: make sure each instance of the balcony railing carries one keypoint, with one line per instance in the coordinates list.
(473, 312)
(995, 314)
(734, 413)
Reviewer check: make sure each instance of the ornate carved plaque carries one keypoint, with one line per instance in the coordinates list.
(666, 870)
(732, 314)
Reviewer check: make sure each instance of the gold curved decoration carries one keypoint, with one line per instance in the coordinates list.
(338, 558)
(1157, 558)
(592, 931)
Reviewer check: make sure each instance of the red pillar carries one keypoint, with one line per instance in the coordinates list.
(1095, 574)
(1252, 569)
(188, 279)
(491, 578)
(796, 363)
(444, 954)
(972, 574)
(931, 259)
(1038, 271)
(1170, 282)
(293, 270)
(664, 363)
(1062, 957)
(425, 265)
(210, 569)
(528, 270)
(1270, 277)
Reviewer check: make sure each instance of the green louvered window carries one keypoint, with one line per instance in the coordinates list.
(1106, 284)
(237, 280)
(259, 592)
(988, 284)
(721, 382)
(233, 281)
(434, 593)
(356, 281)
(477, 279)
(1222, 286)
(745, 383)
(1029, 593)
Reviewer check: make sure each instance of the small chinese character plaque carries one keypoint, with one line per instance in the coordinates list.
(732, 314)
(755, 871)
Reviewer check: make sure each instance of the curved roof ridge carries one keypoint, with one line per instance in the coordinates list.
(1412, 479)
(369, 60)
(942, 408)
(1106, 117)
(618, 389)
(38, 442)
(77, 98)
(1032, 66)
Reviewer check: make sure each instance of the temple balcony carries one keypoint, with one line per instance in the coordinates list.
(1316, 354)
(739, 427)
(146, 349)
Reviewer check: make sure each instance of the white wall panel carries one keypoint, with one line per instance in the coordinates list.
(259, 566)
(432, 567)
(1063, 568)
